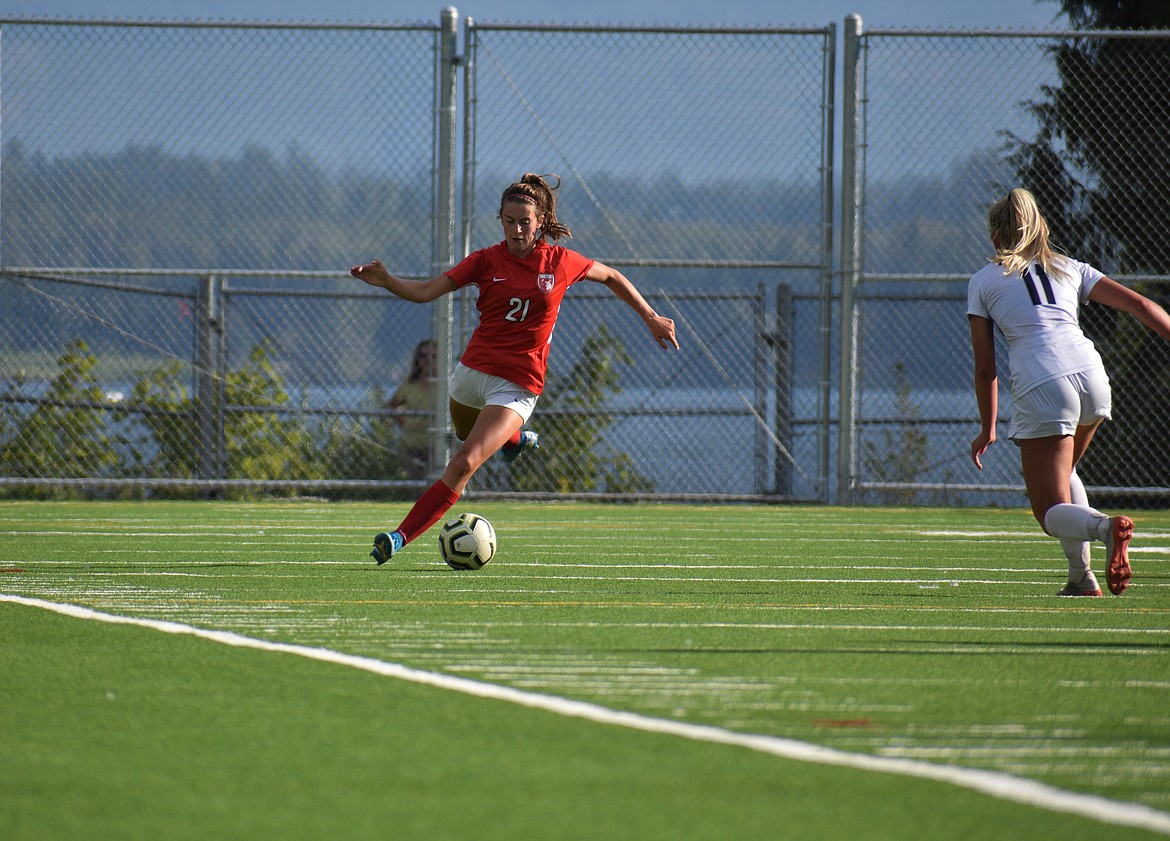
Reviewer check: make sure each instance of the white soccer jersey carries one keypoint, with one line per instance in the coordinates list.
(1037, 313)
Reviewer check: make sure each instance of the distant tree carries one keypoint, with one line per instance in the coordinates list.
(576, 457)
(144, 207)
(259, 444)
(67, 435)
(1100, 167)
(365, 449)
(900, 455)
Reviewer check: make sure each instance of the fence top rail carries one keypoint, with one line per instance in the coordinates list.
(1073, 34)
(197, 23)
(881, 277)
(56, 272)
(216, 24)
(77, 277)
(652, 28)
(73, 272)
(97, 284)
(651, 263)
(63, 272)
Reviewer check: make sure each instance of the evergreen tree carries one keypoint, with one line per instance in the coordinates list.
(1100, 168)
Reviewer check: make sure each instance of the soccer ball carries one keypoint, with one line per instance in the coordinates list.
(467, 541)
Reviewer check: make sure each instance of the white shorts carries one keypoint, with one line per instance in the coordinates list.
(476, 389)
(1059, 406)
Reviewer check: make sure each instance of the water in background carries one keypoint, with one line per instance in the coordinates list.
(690, 453)
(699, 441)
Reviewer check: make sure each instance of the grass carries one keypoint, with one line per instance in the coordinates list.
(903, 634)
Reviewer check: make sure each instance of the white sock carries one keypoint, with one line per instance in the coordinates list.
(1076, 521)
(1077, 493)
(1075, 549)
(1080, 558)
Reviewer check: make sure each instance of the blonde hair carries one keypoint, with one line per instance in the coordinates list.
(532, 188)
(1019, 232)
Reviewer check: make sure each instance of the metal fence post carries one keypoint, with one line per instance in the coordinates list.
(444, 249)
(763, 339)
(782, 351)
(467, 210)
(462, 328)
(825, 306)
(209, 328)
(852, 188)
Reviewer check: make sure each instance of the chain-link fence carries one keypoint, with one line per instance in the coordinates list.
(159, 160)
(205, 382)
(216, 146)
(699, 162)
(179, 203)
(951, 121)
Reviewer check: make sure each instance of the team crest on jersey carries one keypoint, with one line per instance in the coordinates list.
(546, 282)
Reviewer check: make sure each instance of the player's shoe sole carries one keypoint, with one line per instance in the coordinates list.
(1118, 573)
(385, 545)
(529, 440)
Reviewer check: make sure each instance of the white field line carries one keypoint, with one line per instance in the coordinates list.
(284, 528)
(286, 531)
(813, 626)
(295, 564)
(998, 785)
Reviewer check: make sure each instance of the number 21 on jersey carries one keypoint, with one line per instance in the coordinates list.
(517, 309)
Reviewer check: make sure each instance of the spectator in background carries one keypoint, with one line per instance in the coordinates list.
(414, 395)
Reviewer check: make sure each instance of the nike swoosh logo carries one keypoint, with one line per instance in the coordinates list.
(498, 279)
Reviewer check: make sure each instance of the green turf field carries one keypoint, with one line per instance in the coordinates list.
(617, 672)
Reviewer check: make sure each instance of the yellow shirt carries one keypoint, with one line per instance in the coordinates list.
(415, 428)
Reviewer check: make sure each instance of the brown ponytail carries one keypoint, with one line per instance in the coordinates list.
(534, 189)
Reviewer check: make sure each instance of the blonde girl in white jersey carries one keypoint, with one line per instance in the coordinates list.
(1058, 384)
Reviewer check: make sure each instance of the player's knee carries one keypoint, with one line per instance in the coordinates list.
(463, 464)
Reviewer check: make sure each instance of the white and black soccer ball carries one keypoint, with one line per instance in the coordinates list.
(467, 541)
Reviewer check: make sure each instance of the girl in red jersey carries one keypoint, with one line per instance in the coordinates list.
(496, 383)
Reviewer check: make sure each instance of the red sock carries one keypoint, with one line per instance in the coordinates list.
(431, 506)
(514, 441)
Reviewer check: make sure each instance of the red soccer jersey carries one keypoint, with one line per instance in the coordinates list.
(519, 300)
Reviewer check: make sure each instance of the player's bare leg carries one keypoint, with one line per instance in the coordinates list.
(492, 428)
(484, 431)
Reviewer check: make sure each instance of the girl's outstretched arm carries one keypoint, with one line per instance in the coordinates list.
(1112, 294)
(661, 327)
(418, 291)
